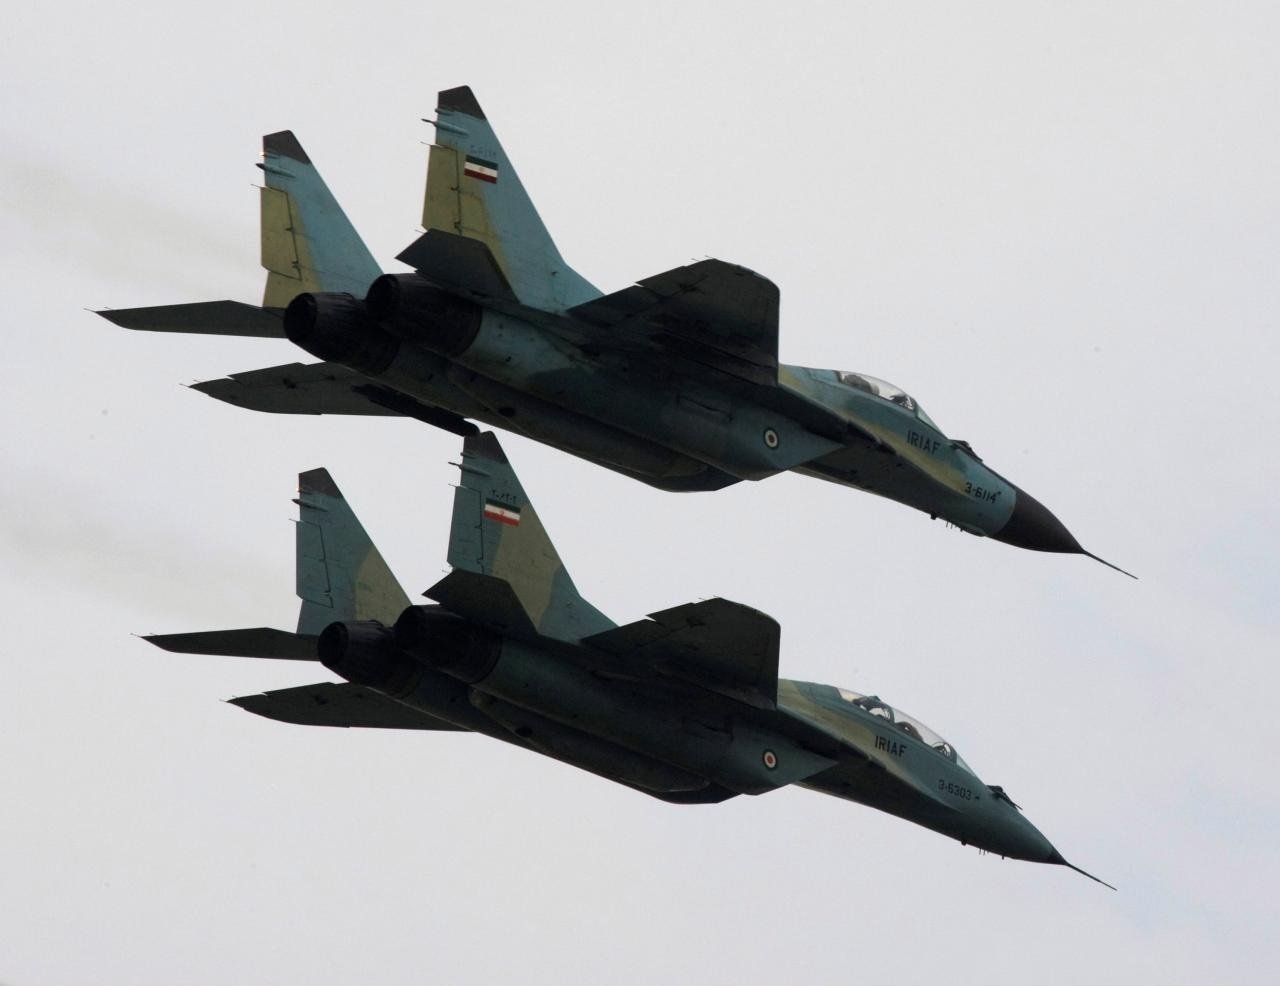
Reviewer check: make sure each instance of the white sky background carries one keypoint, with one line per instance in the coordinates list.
(1058, 226)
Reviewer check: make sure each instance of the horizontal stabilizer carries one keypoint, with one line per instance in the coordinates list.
(325, 388)
(295, 388)
(254, 642)
(711, 312)
(719, 645)
(214, 318)
(338, 704)
(457, 263)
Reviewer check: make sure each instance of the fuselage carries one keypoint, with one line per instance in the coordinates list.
(908, 458)
(676, 740)
(674, 423)
(902, 768)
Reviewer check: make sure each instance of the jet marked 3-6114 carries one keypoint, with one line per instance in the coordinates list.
(674, 381)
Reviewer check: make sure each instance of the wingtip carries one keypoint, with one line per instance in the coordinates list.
(460, 100)
(284, 143)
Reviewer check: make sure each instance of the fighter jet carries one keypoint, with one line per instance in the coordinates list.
(685, 705)
(674, 381)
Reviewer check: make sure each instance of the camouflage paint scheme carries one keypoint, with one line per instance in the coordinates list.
(685, 705)
(674, 381)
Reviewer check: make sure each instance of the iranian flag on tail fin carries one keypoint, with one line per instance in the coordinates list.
(502, 513)
(476, 167)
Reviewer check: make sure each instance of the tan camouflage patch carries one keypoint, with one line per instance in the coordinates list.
(286, 254)
(457, 206)
(378, 595)
(526, 559)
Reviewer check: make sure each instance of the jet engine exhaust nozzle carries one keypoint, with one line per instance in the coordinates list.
(364, 653)
(336, 327)
(446, 643)
(413, 309)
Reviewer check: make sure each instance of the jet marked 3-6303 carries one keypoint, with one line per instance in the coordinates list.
(685, 706)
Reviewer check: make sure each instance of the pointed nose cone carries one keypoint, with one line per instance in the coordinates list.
(1032, 526)
(1025, 841)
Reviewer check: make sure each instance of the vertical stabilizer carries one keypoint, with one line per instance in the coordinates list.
(341, 575)
(308, 244)
(502, 557)
(473, 190)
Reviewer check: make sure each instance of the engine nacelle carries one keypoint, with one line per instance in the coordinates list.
(365, 653)
(336, 327)
(444, 642)
(415, 311)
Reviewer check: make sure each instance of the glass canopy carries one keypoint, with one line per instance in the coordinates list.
(914, 728)
(886, 391)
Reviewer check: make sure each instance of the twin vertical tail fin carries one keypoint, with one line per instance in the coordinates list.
(482, 229)
(308, 244)
(340, 574)
(506, 572)
(473, 192)
(341, 577)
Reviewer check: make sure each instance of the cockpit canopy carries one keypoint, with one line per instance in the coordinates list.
(900, 720)
(886, 391)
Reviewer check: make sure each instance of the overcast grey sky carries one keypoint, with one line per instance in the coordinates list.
(1057, 225)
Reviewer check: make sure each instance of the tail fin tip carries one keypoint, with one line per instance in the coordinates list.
(340, 573)
(485, 445)
(284, 143)
(318, 481)
(460, 99)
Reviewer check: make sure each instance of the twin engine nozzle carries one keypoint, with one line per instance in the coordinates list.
(391, 660)
(366, 335)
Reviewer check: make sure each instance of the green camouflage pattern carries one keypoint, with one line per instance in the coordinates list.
(308, 244)
(340, 574)
(685, 706)
(498, 212)
(496, 533)
(674, 381)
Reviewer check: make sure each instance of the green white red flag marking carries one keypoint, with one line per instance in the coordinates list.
(501, 513)
(476, 167)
